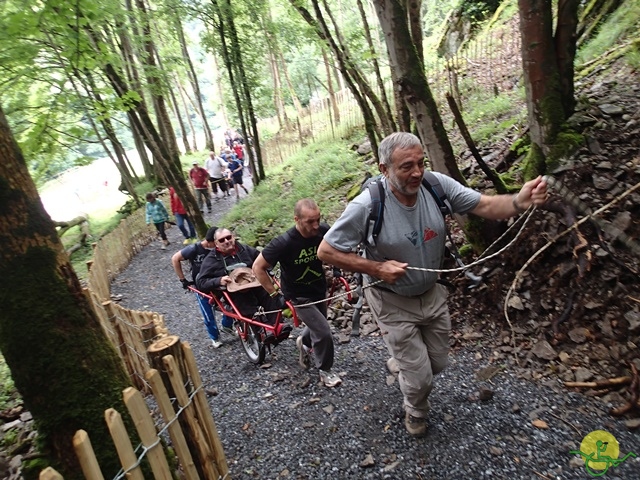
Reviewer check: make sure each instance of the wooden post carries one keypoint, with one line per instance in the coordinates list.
(86, 456)
(123, 445)
(50, 474)
(147, 430)
(148, 331)
(169, 345)
(204, 412)
(195, 433)
(175, 432)
(118, 338)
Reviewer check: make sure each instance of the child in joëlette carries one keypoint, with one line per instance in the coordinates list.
(157, 213)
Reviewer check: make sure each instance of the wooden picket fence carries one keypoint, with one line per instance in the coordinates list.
(158, 364)
(490, 63)
(188, 422)
(130, 331)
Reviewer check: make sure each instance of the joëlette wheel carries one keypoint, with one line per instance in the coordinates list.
(251, 341)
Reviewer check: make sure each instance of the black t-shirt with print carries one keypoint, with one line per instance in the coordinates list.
(302, 275)
(195, 254)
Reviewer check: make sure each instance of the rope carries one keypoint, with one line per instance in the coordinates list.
(581, 206)
(525, 218)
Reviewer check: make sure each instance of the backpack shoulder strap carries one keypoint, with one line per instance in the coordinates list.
(374, 223)
(432, 184)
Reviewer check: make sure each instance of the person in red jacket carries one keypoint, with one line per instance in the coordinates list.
(178, 210)
(239, 150)
(200, 178)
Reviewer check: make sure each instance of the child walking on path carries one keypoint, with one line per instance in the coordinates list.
(157, 213)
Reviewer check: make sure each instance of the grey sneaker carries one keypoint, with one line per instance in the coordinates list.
(417, 427)
(303, 354)
(216, 343)
(330, 379)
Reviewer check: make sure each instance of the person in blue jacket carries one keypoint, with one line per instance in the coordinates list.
(157, 213)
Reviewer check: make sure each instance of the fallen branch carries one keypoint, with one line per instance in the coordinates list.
(634, 389)
(607, 383)
(65, 226)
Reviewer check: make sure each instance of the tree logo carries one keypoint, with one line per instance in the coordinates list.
(600, 451)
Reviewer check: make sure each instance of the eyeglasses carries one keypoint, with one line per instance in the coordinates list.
(225, 239)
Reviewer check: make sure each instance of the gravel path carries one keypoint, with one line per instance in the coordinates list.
(277, 421)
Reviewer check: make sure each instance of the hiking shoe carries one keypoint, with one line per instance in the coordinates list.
(216, 343)
(330, 379)
(392, 366)
(187, 241)
(304, 358)
(284, 333)
(417, 427)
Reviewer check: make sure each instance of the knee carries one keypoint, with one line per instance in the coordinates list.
(439, 363)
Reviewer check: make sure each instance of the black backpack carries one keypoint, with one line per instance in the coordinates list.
(376, 190)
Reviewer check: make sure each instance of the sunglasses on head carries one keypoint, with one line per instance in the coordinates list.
(225, 239)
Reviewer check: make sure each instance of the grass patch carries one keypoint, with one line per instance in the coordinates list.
(489, 116)
(8, 394)
(620, 26)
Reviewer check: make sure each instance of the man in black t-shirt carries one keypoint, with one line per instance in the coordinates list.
(303, 282)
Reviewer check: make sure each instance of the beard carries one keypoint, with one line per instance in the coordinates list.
(403, 187)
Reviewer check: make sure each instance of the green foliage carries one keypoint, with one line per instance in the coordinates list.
(8, 393)
(521, 146)
(323, 171)
(567, 142)
(534, 164)
(10, 438)
(32, 468)
(478, 10)
(488, 116)
(98, 227)
(621, 26)
(633, 57)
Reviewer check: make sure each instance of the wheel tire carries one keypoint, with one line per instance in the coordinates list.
(252, 344)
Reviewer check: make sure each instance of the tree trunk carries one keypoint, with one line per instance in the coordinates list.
(565, 48)
(292, 91)
(169, 168)
(139, 142)
(127, 173)
(376, 65)
(384, 116)
(323, 33)
(416, 92)
(154, 81)
(332, 94)
(277, 97)
(62, 364)
(414, 15)
(176, 110)
(178, 87)
(195, 85)
(542, 82)
(220, 89)
(492, 176)
(238, 64)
